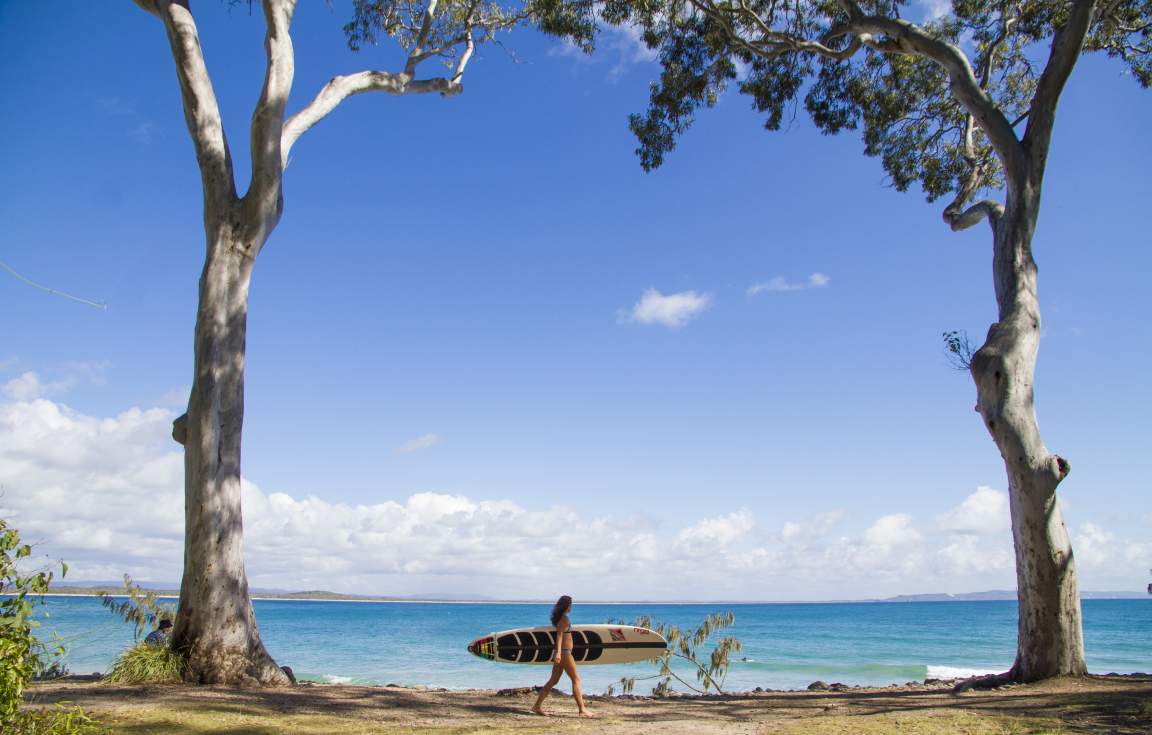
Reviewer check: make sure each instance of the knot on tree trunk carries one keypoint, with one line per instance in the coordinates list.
(1063, 467)
(180, 429)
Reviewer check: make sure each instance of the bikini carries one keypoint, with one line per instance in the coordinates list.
(561, 634)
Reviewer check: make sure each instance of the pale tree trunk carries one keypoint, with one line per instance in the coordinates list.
(215, 626)
(215, 629)
(1050, 640)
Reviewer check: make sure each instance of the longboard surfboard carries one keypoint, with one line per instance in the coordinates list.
(591, 644)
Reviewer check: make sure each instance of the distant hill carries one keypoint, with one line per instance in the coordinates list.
(1003, 595)
(173, 590)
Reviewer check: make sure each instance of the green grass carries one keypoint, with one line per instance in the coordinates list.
(58, 720)
(922, 723)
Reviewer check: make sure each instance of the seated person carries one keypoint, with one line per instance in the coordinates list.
(159, 637)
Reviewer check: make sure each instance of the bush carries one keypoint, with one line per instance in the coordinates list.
(142, 608)
(22, 655)
(688, 645)
(146, 664)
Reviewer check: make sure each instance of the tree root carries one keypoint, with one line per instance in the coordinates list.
(986, 682)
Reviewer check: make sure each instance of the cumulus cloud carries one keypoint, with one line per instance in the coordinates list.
(810, 530)
(780, 283)
(672, 310)
(717, 532)
(105, 493)
(627, 43)
(29, 386)
(1093, 545)
(622, 45)
(420, 442)
(891, 531)
(983, 512)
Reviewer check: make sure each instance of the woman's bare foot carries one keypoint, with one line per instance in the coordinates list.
(586, 713)
(538, 711)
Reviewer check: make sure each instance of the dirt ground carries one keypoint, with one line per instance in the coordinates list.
(1121, 705)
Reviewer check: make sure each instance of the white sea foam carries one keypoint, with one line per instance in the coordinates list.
(954, 672)
(333, 679)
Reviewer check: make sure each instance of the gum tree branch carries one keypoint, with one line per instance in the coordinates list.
(1066, 47)
(340, 88)
(904, 37)
(264, 191)
(201, 111)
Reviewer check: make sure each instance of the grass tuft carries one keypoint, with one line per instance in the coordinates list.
(58, 720)
(146, 664)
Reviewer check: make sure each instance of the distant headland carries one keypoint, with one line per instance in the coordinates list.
(172, 590)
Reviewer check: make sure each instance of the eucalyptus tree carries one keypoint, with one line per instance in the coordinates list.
(962, 104)
(215, 627)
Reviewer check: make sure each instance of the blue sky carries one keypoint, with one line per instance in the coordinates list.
(448, 387)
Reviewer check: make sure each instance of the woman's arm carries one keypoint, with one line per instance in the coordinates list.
(561, 628)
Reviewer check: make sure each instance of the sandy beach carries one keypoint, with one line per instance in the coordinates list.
(1097, 704)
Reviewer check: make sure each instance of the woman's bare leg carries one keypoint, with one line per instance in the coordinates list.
(569, 664)
(557, 669)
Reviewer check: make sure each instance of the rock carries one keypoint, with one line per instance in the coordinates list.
(838, 687)
(817, 686)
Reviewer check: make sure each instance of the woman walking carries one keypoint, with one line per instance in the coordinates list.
(563, 662)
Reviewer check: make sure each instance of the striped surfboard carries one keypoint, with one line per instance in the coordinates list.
(591, 644)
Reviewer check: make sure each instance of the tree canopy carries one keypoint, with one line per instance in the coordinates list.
(932, 97)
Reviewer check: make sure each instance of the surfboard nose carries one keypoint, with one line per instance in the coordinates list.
(482, 647)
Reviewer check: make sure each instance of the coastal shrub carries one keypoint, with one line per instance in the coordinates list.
(689, 645)
(22, 654)
(142, 609)
(146, 664)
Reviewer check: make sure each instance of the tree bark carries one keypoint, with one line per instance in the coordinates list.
(215, 627)
(1050, 639)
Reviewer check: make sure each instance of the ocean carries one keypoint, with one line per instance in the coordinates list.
(785, 646)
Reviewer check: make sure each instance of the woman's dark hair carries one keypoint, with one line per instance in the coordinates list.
(562, 606)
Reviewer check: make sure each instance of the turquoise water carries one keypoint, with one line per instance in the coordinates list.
(787, 646)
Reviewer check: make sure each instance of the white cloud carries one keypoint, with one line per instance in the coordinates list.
(983, 512)
(1093, 545)
(623, 45)
(105, 494)
(721, 531)
(810, 530)
(627, 42)
(420, 442)
(672, 310)
(28, 386)
(935, 9)
(780, 283)
(892, 531)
